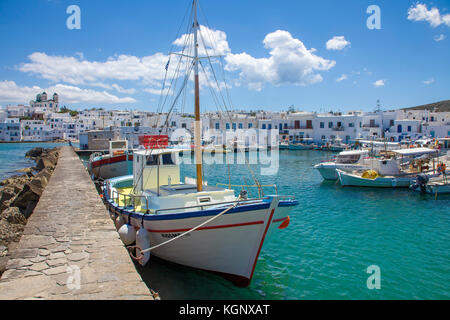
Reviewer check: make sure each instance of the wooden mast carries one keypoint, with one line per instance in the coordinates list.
(197, 127)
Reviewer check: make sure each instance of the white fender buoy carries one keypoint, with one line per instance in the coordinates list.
(143, 242)
(128, 234)
(120, 222)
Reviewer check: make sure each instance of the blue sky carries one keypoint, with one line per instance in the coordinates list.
(275, 52)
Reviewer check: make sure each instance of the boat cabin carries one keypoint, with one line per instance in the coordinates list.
(156, 176)
(118, 147)
(351, 157)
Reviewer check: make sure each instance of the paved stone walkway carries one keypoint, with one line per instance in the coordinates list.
(70, 248)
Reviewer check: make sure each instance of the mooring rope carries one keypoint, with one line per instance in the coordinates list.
(142, 251)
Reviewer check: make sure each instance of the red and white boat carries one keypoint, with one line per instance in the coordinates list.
(118, 162)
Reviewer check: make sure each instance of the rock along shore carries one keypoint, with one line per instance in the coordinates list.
(19, 196)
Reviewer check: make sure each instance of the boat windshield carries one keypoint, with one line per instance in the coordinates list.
(348, 158)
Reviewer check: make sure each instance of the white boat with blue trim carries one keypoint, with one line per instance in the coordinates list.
(154, 200)
(191, 223)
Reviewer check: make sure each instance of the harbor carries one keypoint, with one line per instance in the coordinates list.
(182, 174)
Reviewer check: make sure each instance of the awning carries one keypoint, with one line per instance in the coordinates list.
(415, 151)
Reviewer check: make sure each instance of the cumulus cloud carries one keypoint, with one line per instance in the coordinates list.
(11, 92)
(76, 71)
(420, 12)
(342, 78)
(379, 83)
(290, 62)
(212, 42)
(337, 43)
(429, 81)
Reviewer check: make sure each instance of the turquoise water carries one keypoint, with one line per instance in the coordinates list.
(12, 156)
(335, 235)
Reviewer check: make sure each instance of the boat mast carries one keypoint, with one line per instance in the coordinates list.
(197, 127)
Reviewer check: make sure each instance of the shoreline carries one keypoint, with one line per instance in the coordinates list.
(36, 142)
(19, 195)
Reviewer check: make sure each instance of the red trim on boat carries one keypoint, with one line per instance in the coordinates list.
(262, 241)
(279, 220)
(209, 228)
(121, 158)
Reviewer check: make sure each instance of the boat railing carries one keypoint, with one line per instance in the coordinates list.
(129, 200)
(203, 206)
(244, 186)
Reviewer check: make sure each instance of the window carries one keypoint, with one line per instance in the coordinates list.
(241, 126)
(152, 161)
(270, 126)
(217, 126)
(322, 125)
(264, 126)
(167, 159)
(391, 123)
(234, 126)
(351, 125)
(228, 126)
(330, 125)
(250, 125)
(409, 128)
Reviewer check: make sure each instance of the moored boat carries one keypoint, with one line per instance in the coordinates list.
(192, 223)
(346, 161)
(115, 164)
(153, 199)
(393, 170)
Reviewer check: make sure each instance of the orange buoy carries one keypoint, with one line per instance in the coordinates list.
(285, 223)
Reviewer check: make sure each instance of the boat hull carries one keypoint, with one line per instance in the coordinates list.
(111, 167)
(328, 171)
(229, 245)
(348, 179)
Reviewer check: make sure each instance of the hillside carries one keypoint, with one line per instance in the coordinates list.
(442, 106)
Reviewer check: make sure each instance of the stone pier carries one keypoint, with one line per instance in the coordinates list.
(70, 248)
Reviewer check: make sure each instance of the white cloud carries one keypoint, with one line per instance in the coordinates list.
(72, 70)
(290, 62)
(215, 42)
(11, 92)
(123, 90)
(429, 81)
(420, 12)
(337, 43)
(379, 83)
(342, 78)
(438, 38)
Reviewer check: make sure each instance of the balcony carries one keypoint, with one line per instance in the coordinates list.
(300, 128)
(371, 126)
(341, 128)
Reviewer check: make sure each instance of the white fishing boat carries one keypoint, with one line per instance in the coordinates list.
(118, 162)
(392, 172)
(347, 161)
(192, 223)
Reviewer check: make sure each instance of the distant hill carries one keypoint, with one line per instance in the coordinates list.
(442, 106)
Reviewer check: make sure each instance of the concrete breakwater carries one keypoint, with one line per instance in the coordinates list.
(70, 248)
(19, 196)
